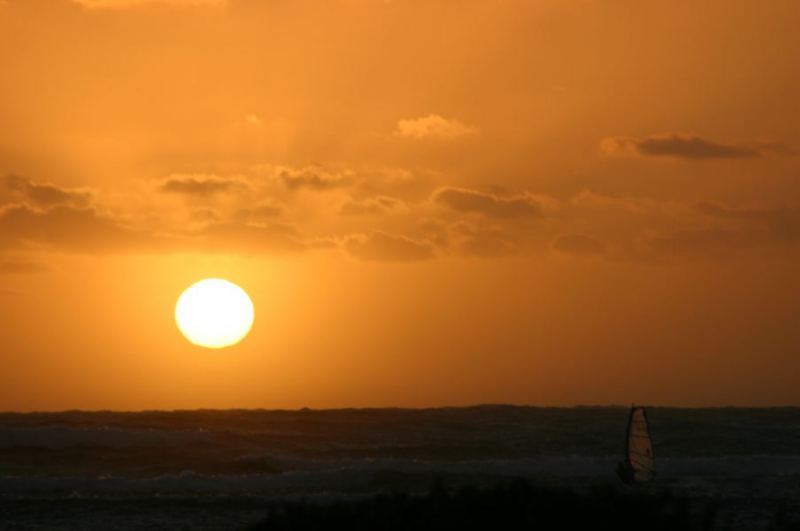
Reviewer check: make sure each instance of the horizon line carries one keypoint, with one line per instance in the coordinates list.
(387, 408)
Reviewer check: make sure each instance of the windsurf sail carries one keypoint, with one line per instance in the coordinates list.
(639, 464)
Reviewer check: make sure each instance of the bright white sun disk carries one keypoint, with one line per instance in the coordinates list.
(214, 313)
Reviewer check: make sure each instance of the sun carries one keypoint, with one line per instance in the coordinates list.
(214, 313)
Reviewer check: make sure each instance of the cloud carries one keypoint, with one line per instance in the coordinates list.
(86, 231)
(433, 126)
(271, 219)
(713, 208)
(705, 241)
(199, 185)
(261, 211)
(465, 238)
(470, 240)
(361, 181)
(579, 244)
(774, 148)
(383, 247)
(311, 177)
(396, 182)
(679, 145)
(490, 205)
(51, 218)
(121, 4)
(67, 228)
(372, 205)
(644, 229)
(783, 224)
(14, 188)
(21, 267)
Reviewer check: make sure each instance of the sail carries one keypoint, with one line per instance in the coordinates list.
(640, 447)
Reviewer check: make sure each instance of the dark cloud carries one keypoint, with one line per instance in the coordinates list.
(490, 205)
(65, 227)
(775, 148)
(712, 208)
(260, 212)
(707, 241)
(373, 205)
(486, 245)
(21, 189)
(678, 145)
(783, 224)
(87, 231)
(471, 240)
(312, 178)
(379, 246)
(436, 231)
(397, 183)
(199, 186)
(579, 244)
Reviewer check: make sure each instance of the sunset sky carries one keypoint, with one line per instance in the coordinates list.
(430, 203)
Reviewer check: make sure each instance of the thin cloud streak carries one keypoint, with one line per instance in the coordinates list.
(685, 146)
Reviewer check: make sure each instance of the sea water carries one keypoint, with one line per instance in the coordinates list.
(214, 469)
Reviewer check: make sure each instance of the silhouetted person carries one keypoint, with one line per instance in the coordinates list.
(625, 473)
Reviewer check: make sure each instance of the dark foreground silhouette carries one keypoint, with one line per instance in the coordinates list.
(516, 505)
(227, 470)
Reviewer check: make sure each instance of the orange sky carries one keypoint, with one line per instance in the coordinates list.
(430, 203)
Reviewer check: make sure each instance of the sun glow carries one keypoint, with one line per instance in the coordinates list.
(214, 313)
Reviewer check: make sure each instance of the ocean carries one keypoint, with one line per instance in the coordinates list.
(222, 469)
